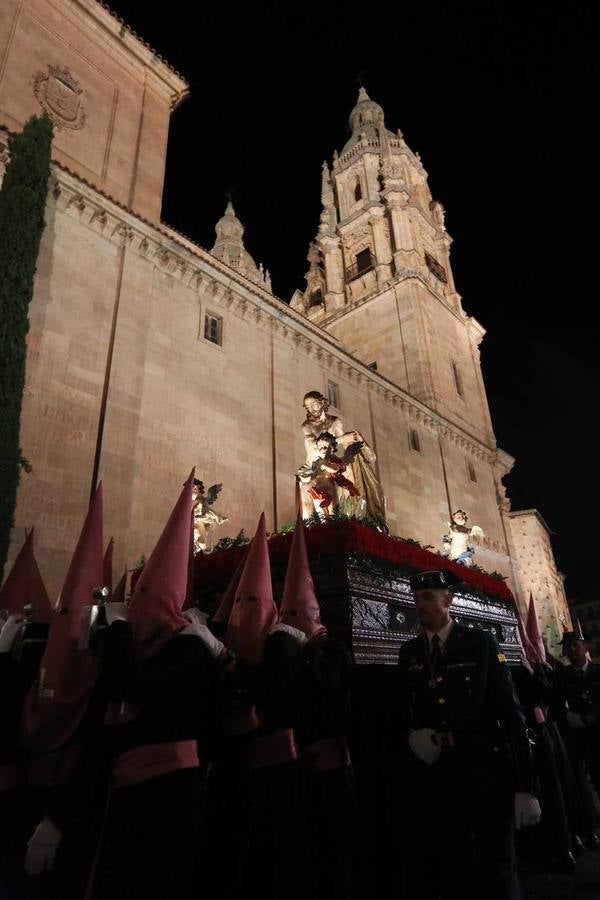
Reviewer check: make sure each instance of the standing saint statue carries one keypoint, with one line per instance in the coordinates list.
(339, 468)
(205, 518)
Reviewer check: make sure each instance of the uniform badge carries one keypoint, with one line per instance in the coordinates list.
(501, 658)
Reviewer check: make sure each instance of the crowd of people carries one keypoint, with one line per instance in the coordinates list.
(149, 750)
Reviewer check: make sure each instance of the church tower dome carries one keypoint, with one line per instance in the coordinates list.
(229, 248)
(366, 120)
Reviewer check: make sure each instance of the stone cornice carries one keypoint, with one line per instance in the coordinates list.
(127, 38)
(514, 514)
(195, 268)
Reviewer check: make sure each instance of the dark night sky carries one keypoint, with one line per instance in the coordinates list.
(499, 100)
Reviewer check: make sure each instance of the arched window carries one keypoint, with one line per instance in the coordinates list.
(316, 298)
(358, 191)
(414, 441)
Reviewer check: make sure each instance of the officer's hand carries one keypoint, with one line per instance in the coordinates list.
(198, 627)
(115, 612)
(42, 848)
(574, 720)
(10, 629)
(527, 810)
(422, 745)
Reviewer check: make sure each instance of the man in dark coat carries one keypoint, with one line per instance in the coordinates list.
(578, 713)
(467, 769)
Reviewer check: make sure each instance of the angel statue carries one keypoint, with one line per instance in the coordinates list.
(339, 468)
(456, 541)
(205, 518)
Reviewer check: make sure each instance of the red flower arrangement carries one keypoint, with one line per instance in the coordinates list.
(351, 539)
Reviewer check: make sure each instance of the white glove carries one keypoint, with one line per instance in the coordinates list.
(527, 810)
(42, 847)
(575, 720)
(196, 616)
(115, 612)
(296, 633)
(422, 745)
(10, 630)
(199, 629)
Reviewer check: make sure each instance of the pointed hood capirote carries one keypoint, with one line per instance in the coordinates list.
(155, 611)
(59, 697)
(299, 605)
(254, 612)
(24, 586)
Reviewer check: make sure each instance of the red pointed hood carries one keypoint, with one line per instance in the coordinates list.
(534, 632)
(57, 702)
(299, 605)
(254, 613)
(108, 565)
(118, 595)
(155, 611)
(528, 649)
(24, 586)
(226, 605)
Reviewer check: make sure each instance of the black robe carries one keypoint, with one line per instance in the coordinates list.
(329, 796)
(151, 840)
(275, 864)
(21, 807)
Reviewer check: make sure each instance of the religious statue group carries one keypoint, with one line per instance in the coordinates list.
(338, 475)
(339, 468)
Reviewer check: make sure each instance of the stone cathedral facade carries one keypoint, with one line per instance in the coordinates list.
(148, 354)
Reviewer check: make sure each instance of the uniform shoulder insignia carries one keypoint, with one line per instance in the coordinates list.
(501, 658)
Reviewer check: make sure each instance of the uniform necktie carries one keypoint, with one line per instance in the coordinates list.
(436, 650)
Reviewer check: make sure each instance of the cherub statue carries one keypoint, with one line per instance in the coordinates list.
(456, 541)
(205, 518)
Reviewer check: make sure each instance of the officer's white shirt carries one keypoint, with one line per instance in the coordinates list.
(443, 634)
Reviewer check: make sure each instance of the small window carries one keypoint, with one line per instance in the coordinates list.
(472, 472)
(373, 366)
(457, 380)
(436, 268)
(213, 328)
(357, 192)
(333, 394)
(414, 441)
(363, 261)
(316, 298)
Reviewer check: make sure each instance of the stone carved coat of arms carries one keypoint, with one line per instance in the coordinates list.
(60, 95)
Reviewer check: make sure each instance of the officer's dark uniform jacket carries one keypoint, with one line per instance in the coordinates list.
(468, 698)
(579, 691)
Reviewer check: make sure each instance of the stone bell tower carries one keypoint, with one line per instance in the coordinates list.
(380, 278)
(229, 248)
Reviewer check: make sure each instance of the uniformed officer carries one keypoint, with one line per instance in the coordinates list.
(578, 702)
(468, 776)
